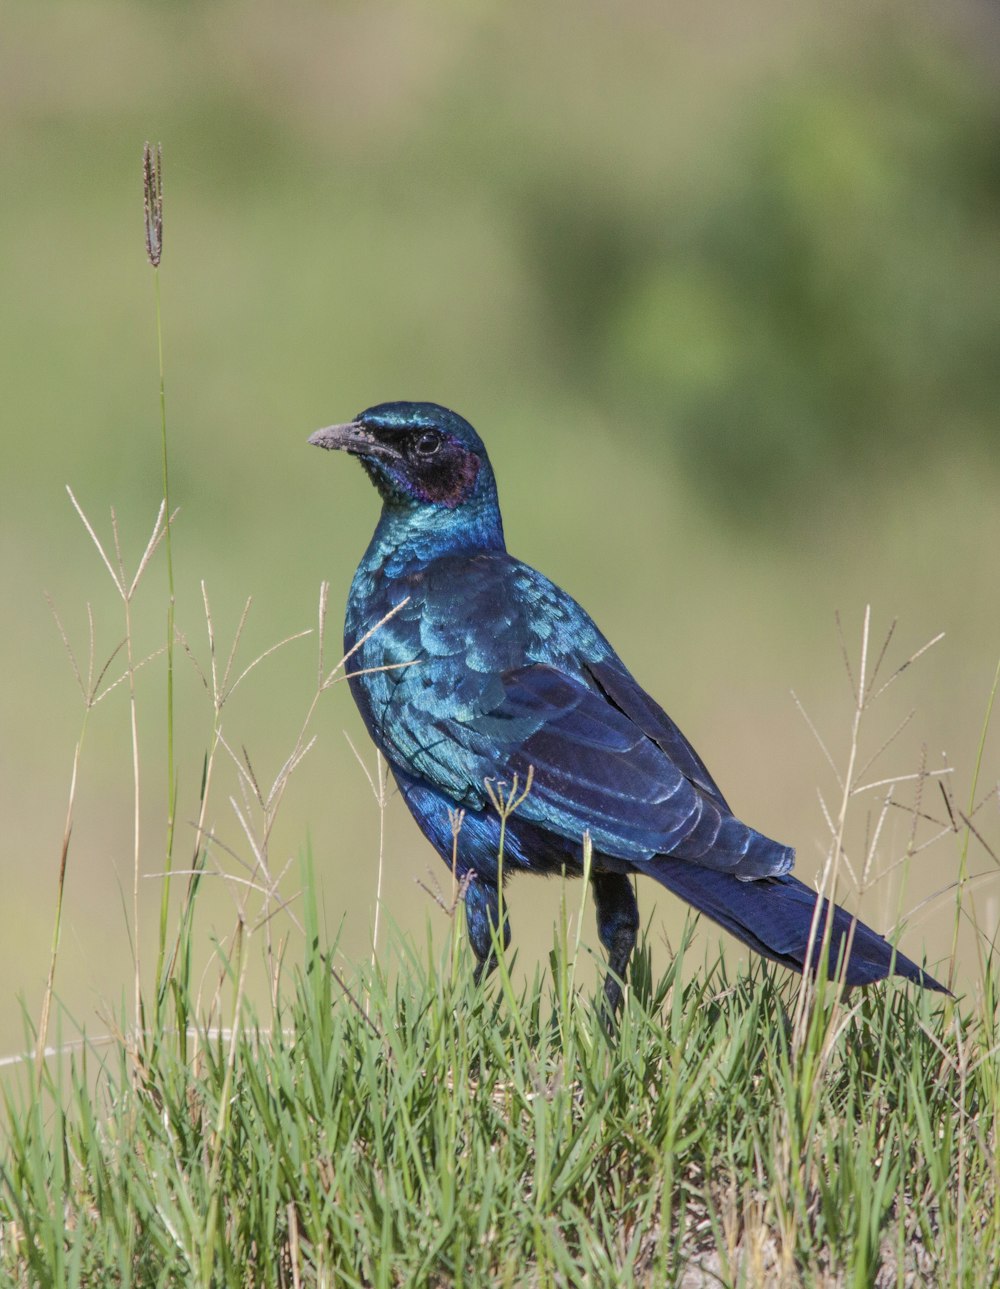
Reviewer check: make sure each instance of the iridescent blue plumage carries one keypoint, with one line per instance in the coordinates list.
(468, 665)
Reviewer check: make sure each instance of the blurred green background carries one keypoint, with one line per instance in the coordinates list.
(718, 285)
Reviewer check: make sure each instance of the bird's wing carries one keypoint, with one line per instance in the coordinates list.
(621, 689)
(596, 768)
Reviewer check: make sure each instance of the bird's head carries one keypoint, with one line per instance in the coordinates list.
(418, 455)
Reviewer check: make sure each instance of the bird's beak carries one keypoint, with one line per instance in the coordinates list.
(346, 437)
(354, 438)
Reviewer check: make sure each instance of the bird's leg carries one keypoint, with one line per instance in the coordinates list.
(617, 928)
(482, 915)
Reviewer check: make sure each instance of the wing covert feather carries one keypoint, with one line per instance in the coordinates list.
(595, 769)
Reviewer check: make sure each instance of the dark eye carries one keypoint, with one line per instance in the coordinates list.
(427, 444)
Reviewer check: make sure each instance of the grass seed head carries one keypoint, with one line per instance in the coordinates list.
(152, 192)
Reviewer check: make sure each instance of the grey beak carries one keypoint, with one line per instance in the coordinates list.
(352, 437)
(345, 437)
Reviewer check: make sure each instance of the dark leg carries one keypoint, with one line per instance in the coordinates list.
(617, 928)
(482, 914)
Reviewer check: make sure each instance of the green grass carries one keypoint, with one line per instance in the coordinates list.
(420, 1131)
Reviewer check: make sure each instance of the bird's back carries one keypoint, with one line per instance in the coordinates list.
(451, 625)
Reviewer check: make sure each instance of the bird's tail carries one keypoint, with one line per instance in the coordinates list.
(773, 915)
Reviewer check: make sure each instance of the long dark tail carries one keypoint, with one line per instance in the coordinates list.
(773, 916)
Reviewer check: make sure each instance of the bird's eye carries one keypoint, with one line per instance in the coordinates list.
(428, 443)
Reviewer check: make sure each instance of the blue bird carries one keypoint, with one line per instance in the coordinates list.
(468, 666)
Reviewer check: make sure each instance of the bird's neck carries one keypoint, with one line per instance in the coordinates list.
(408, 535)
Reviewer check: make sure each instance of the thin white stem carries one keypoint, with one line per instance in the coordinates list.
(380, 797)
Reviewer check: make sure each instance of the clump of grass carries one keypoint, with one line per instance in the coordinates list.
(458, 1135)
